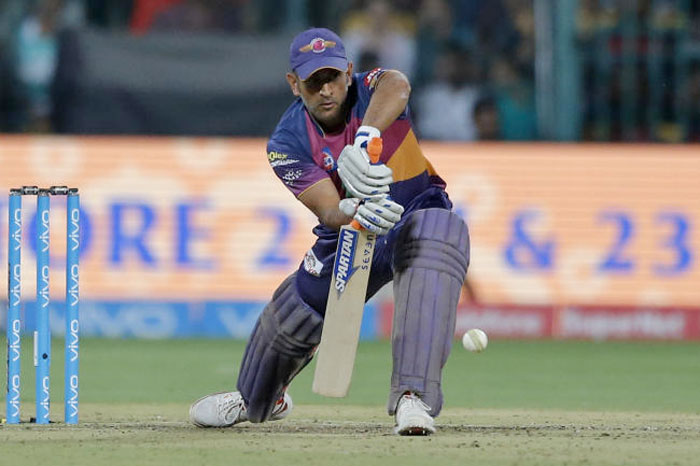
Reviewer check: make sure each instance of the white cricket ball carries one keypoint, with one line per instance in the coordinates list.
(475, 340)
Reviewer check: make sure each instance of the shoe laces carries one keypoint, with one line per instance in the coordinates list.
(230, 408)
(411, 400)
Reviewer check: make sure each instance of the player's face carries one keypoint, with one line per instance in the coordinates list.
(324, 94)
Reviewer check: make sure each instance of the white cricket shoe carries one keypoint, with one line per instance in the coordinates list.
(412, 416)
(228, 408)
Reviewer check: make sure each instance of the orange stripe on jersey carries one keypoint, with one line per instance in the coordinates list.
(408, 160)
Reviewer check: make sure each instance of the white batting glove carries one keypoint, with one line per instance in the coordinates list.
(377, 216)
(364, 135)
(362, 179)
(348, 206)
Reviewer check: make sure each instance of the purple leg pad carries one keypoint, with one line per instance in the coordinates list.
(281, 345)
(430, 264)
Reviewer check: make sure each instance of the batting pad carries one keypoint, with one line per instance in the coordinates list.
(431, 257)
(280, 346)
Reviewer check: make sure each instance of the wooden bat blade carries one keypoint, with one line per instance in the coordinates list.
(346, 299)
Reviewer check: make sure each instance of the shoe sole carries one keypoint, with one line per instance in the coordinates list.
(415, 426)
(415, 431)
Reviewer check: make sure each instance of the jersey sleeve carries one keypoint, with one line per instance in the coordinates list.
(367, 84)
(293, 163)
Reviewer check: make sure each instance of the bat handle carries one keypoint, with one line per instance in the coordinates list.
(374, 149)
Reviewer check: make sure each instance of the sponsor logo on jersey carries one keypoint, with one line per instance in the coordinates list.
(318, 45)
(344, 259)
(273, 156)
(283, 162)
(372, 77)
(328, 160)
(291, 176)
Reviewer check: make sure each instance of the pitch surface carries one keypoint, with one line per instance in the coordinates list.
(519, 403)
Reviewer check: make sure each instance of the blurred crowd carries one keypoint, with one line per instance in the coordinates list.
(471, 62)
(640, 69)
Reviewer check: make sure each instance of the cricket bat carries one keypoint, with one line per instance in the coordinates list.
(335, 359)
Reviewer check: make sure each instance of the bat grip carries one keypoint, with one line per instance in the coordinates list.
(374, 149)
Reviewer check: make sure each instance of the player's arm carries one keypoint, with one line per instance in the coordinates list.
(388, 101)
(322, 199)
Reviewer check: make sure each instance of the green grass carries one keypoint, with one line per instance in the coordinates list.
(540, 375)
(509, 374)
(519, 402)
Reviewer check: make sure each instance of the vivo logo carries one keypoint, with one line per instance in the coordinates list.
(13, 344)
(73, 339)
(44, 292)
(15, 288)
(73, 399)
(74, 234)
(45, 400)
(73, 290)
(345, 258)
(44, 236)
(17, 233)
(13, 389)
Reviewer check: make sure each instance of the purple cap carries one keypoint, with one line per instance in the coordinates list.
(314, 49)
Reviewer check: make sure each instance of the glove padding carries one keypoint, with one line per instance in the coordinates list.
(378, 216)
(364, 135)
(362, 179)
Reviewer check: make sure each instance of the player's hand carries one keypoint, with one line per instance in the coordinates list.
(378, 216)
(364, 135)
(362, 179)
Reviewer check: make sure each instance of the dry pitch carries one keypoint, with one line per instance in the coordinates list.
(325, 435)
(613, 404)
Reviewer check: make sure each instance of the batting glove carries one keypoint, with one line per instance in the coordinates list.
(364, 135)
(362, 179)
(378, 216)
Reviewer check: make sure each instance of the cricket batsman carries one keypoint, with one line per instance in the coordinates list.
(319, 151)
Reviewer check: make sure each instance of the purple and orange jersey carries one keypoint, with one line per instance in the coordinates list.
(301, 154)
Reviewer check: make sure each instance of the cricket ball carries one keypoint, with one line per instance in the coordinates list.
(475, 340)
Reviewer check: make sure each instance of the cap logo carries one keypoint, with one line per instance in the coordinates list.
(318, 45)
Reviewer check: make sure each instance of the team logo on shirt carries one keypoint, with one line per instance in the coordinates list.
(328, 160)
(312, 264)
(318, 45)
